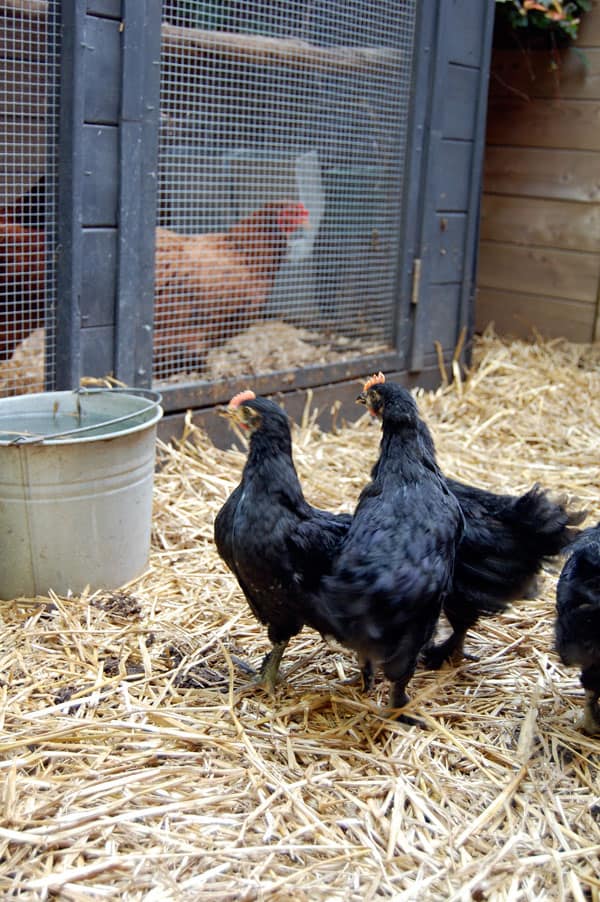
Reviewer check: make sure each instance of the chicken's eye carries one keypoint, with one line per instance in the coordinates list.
(375, 402)
(251, 419)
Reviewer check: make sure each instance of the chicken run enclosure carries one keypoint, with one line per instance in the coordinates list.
(198, 192)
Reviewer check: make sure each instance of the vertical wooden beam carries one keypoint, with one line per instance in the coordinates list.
(431, 79)
(466, 318)
(414, 175)
(446, 246)
(108, 134)
(138, 162)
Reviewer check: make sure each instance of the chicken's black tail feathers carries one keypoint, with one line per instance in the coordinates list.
(500, 558)
(547, 525)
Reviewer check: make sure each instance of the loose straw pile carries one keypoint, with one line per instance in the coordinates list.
(138, 763)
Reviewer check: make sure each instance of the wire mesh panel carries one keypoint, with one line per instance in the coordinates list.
(28, 113)
(281, 161)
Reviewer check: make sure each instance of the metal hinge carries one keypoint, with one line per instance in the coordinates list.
(416, 281)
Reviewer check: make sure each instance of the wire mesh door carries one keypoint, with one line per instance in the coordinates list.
(281, 164)
(28, 115)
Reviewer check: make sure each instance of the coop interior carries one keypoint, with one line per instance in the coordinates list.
(281, 156)
(295, 161)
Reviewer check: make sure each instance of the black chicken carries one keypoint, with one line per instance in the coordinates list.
(276, 544)
(388, 582)
(577, 628)
(506, 541)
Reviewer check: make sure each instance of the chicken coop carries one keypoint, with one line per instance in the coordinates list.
(200, 195)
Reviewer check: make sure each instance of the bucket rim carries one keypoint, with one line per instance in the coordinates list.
(78, 435)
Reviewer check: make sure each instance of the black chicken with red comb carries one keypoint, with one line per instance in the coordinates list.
(506, 541)
(395, 566)
(278, 546)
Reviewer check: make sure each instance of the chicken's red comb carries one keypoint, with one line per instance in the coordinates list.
(375, 379)
(241, 396)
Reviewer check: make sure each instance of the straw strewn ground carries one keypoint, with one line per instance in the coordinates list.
(137, 764)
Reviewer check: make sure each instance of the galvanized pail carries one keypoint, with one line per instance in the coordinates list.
(76, 477)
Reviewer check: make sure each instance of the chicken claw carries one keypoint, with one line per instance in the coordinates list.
(392, 712)
(451, 650)
(267, 676)
(398, 700)
(365, 679)
(590, 722)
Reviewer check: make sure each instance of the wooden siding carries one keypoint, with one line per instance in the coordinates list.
(539, 264)
(447, 246)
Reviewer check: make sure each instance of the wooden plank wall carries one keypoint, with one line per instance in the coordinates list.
(450, 201)
(539, 265)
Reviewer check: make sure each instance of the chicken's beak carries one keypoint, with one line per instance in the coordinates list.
(362, 398)
(225, 412)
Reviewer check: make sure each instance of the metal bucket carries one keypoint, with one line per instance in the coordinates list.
(76, 477)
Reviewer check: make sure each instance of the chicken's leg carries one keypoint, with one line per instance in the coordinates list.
(269, 671)
(398, 699)
(398, 696)
(590, 680)
(367, 673)
(453, 648)
(590, 722)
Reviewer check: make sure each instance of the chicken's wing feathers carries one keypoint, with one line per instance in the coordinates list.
(223, 528)
(313, 545)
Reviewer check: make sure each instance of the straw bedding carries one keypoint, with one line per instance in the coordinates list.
(138, 764)
(266, 346)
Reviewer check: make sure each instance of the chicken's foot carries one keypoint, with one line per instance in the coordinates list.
(366, 675)
(269, 671)
(451, 649)
(399, 699)
(590, 722)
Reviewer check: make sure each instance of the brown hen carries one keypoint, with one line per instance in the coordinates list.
(210, 286)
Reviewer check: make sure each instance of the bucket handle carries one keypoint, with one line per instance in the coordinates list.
(154, 397)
